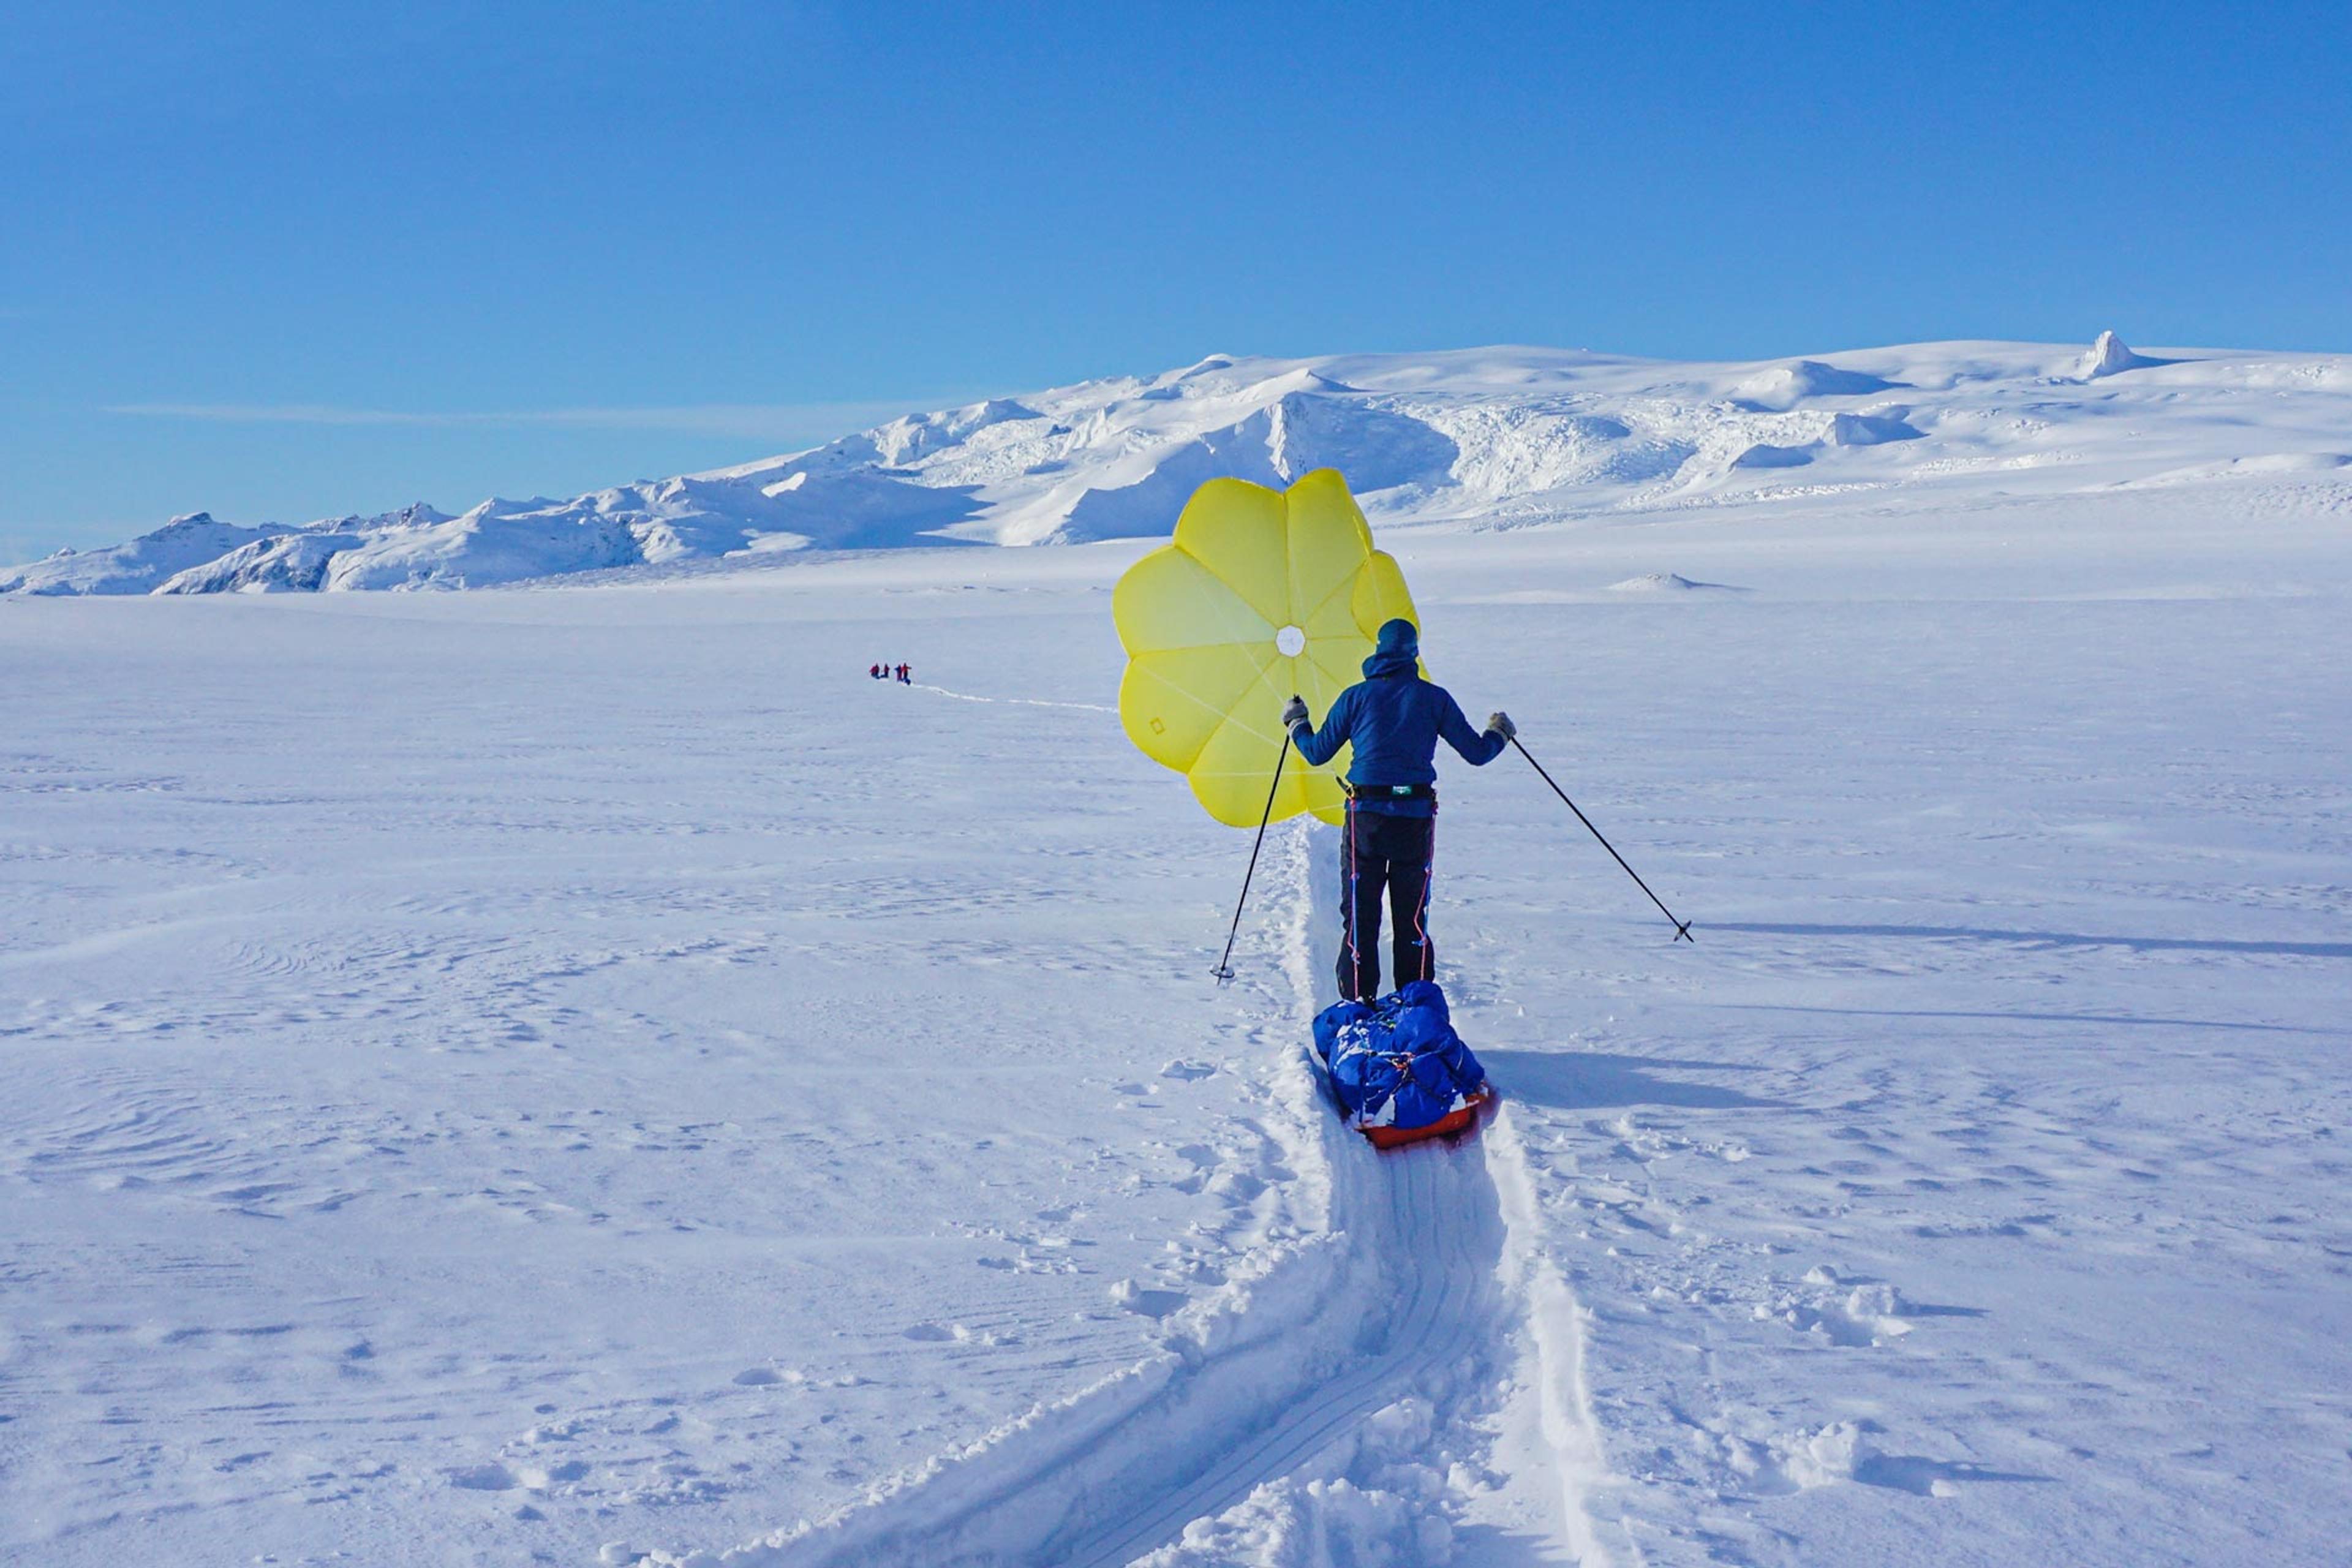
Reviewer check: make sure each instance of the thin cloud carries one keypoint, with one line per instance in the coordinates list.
(783, 421)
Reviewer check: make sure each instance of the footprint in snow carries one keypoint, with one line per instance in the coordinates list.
(1145, 1301)
(482, 1477)
(555, 1475)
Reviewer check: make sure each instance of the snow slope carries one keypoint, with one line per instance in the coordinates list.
(139, 567)
(1502, 435)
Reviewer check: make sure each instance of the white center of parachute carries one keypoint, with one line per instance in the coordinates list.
(1290, 642)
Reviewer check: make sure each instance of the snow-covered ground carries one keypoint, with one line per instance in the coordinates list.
(567, 1074)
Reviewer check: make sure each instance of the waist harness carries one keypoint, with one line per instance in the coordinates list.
(1390, 791)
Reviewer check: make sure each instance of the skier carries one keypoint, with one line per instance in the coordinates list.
(905, 675)
(1394, 718)
(875, 670)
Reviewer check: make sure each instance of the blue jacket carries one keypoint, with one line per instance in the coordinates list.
(1393, 717)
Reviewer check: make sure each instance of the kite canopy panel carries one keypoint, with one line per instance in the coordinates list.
(1261, 593)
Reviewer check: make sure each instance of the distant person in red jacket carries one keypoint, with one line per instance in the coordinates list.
(875, 670)
(905, 675)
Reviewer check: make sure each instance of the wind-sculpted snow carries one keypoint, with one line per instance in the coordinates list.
(1784, 387)
(2112, 357)
(1506, 436)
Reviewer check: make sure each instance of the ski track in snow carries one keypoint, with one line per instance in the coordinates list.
(1012, 702)
(1423, 1282)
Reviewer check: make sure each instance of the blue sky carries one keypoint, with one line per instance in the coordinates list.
(284, 261)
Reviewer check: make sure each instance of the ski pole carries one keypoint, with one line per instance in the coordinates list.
(1682, 927)
(1225, 970)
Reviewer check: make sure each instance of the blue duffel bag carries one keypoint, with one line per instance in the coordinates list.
(1397, 1063)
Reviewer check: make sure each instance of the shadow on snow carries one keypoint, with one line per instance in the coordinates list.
(2047, 939)
(1588, 1081)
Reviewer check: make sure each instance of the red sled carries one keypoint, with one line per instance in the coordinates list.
(1450, 1125)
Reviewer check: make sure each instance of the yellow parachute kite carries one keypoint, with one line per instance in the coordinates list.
(1262, 593)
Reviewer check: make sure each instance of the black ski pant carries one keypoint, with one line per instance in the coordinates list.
(1381, 853)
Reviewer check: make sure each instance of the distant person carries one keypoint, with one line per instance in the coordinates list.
(1394, 718)
(905, 675)
(875, 670)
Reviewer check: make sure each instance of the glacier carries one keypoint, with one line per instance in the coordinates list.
(1506, 435)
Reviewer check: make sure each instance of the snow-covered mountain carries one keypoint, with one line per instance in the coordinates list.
(1500, 435)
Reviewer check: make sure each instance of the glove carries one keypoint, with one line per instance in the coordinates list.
(1294, 712)
(1500, 723)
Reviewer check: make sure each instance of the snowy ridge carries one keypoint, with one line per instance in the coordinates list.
(1325, 1406)
(1499, 436)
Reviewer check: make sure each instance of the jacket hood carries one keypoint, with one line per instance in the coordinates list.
(1396, 652)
